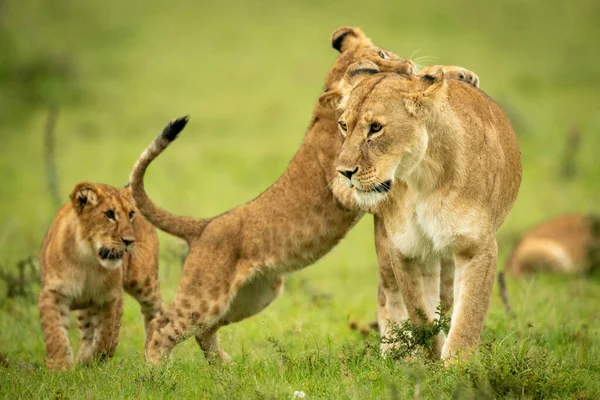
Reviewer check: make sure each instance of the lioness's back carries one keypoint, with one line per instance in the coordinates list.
(483, 117)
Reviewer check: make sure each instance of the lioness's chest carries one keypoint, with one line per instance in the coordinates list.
(419, 228)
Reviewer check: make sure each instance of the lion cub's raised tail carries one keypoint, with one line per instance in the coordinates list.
(183, 227)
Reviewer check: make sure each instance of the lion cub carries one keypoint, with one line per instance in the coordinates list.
(565, 244)
(95, 247)
(438, 162)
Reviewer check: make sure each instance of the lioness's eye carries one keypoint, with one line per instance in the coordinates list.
(343, 125)
(110, 214)
(383, 55)
(131, 214)
(374, 128)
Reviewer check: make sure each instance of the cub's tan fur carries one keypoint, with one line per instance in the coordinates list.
(237, 260)
(438, 162)
(565, 244)
(87, 259)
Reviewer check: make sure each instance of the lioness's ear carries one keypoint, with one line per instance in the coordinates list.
(84, 194)
(358, 72)
(347, 37)
(416, 103)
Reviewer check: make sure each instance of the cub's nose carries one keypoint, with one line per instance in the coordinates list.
(347, 172)
(127, 241)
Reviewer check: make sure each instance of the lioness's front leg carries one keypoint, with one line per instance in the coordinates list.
(473, 280)
(453, 72)
(447, 284)
(390, 304)
(419, 283)
(54, 313)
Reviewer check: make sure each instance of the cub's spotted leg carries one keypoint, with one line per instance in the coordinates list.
(453, 72)
(202, 298)
(106, 320)
(54, 313)
(147, 293)
(209, 343)
(86, 332)
(251, 298)
(474, 279)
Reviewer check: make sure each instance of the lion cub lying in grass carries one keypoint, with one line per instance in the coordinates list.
(95, 247)
(438, 163)
(565, 244)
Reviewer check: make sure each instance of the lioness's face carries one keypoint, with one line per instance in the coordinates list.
(105, 221)
(382, 140)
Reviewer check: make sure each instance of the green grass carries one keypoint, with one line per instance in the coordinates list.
(249, 75)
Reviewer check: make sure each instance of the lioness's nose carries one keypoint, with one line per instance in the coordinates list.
(347, 172)
(128, 241)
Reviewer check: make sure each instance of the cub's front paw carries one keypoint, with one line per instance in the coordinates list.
(462, 74)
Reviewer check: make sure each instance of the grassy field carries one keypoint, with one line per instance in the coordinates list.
(249, 74)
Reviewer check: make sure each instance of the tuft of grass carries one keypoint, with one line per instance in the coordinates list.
(407, 337)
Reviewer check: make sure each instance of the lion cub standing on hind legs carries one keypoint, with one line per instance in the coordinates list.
(438, 163)
(237, 260)
(95, 247)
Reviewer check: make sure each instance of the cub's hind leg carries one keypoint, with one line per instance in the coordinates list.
(146, 291)
(201, 300)
(54, 314)
(140, 279)
(251, 298)
(210, 345)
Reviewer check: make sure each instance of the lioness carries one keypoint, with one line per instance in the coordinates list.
(438, 163)
(565, 244)
(237, 260)
(95, 247)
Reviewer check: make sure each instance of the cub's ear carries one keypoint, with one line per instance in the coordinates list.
(84, 194)
(330, 99)
(126, 193)
(347, 37)
(417, 103)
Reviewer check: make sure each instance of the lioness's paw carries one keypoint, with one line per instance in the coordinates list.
(462, 74)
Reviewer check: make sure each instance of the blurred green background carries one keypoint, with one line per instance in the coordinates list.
(249, 74)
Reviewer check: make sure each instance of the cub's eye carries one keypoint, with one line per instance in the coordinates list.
(110, 214)
(374, 128)
(383, 55)
(131, 214)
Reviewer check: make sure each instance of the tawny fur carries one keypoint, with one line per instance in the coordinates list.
(237, 260)
(438, 163)
(76, 276)
(565, 244)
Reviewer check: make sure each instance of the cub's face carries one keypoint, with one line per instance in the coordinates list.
(353, 46)
(105, 216)
(383, 128)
